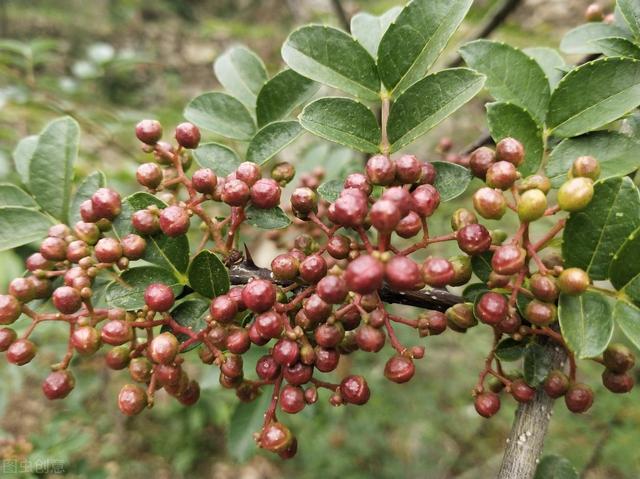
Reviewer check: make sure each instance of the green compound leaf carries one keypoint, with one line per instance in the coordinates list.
(510, 350)
(586, 322)
(368, 29)
(247, 419)
(51, 166)
(512, 76)
(22, 155)
(242, 73)
(85, 190)
(630, 10)
(429, 101)
(618, 47)
(332, 57)
(509, 120)
(11, 195)
(330, 190)
(451, 180)
(267, 219)
(593, 95)
(555, 467)
(344, 121)
(593, 235)
(625, 267)
(128, 293)
(537, 364)
(272, 139)
(582, 40)
(281, 95)
(220, 158)
(222, 114)
(414, 41)
(551, 62)
(208, 275)
(20, 225)
(627, 317)
(617, 154)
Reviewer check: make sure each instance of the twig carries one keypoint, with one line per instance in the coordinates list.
(341, 14)
(499, 16)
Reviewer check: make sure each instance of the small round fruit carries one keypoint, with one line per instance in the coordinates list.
(462, 217)
(540, 313)
(408, 169)
(223, 309)
(7, 337)
(259, 295)
(617, 383)
(174, 221)
(350, 209)
(116, 332)
(248, 173)
(579, 398)
(489, 203)
(86, 340)
(235, 192)
(380, 170)
(133, 246)
(587, 167)
(313, 268)
(66, 299)
(521, 391)
(399, 369)
(332, 289)
(492, 308)
(425, 199)
(355, 390)
(508, 259)
(539, 182)
(21, 352)
(145, 222)
(106, 203)
(556, 384)
(544, 287)
(403, 274)
(364, 275)
(384, 215)
(149, 131)
(511, 150)
(164, 348)
(276, 437)
(473, 239)
(117, 358)
(10, 309)
(480, 161)
(132, 399)
(304, 200)
(532, 205)
(292, 399)
(487, 404)
(370, 339)
(575, 194)
(149, 175)
(265, 193)
(285, 267)
(187, 135)
(573, 281)
(618, 358)
(501, 175)
(204, 181)
(437, 272)
(159, 297)
(108, 250)
(58, 384)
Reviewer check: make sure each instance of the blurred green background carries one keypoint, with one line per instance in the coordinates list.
(109, 63)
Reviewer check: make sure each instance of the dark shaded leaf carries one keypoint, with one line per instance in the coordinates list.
(208, 275)
(282, 94)
(128, 293)
(269, 219)
(272, 139)
(220, 158)
(451, 180)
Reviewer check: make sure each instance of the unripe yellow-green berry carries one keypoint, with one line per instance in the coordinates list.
(575, 194)
(532, 205)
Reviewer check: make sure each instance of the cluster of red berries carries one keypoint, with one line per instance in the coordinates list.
(323, 297)
(243, 187)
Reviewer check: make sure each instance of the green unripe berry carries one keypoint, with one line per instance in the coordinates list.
(575, 194)
(539, 182)
(573, 281)
(532, 205)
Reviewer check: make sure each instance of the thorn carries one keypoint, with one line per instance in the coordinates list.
(248, 258)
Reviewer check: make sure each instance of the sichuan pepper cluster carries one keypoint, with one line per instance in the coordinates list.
(323, 298)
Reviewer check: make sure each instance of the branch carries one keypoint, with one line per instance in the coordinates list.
(436, 299)
(526, 438)
(498, 17)
(341, 14)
